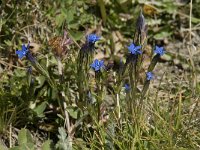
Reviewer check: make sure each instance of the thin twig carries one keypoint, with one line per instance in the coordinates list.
(7, 64)
(190, 22)
(10, 135)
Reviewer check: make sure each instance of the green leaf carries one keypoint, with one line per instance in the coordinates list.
(24, 137)
(14, 148)
(62, 134)
(46, 145)
(73, 112)
(162, 35)
(41, 80)
(60, 116)
(2, 147)
(8, 42)
(195, 20)
(64, 143)
(19, 73)
(153, 22)
(39, 110)
(69, 14)
(170, 7)
(76, 35)
(60, 19)
(69, 2)
(27, 146)
(2, 22)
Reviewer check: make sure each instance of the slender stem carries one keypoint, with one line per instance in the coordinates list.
(43, 72)
(117, 98)
(118, 106)
(7, 64)
(66, 113)
(132, 82)
(103, 10)
(60, 66)
(10, 135)
(99, 89)
(190, 22)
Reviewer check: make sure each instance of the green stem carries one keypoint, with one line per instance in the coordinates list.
(38, 67)
(103, 10)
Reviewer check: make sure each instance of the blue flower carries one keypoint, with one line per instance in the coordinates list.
(127, 87)
(92, 38)
(97, 65)
(133, 49)
(150, 76)
(23, 52)
(159, 51)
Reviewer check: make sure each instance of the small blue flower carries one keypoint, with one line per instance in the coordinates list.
(127, 87)
(92, 38)
(23, 52)
(150, 76)
(159, 51)
(133, 49)
(97, 65)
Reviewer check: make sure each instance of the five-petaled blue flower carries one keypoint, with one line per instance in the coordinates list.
(150, 76)
(21, 53)
(97, 65)
(134, 49)
(127, 87)
(92, 38)
(159, 51)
